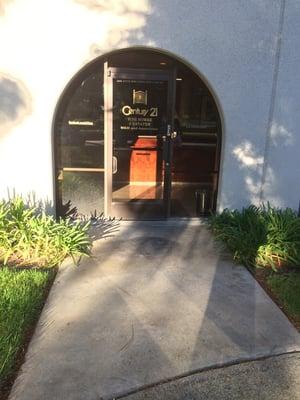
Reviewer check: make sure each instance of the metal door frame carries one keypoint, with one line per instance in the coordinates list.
(111, 73)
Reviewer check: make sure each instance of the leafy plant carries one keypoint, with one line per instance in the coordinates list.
(260, 236)
(29, 237)
(282, 246)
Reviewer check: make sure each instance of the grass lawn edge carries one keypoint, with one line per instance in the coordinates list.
(7, 384)
(261, 277)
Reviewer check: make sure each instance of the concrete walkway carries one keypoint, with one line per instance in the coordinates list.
(274, 378)
(155, 303)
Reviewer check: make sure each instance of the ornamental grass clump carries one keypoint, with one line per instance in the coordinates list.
(29, 237)
(282, 247)
(260, 236)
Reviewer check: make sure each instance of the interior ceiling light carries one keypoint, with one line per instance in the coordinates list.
(85, 123)
(163, 63)
(178, 79)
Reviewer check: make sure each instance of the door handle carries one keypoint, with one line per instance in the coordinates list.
(114, 165)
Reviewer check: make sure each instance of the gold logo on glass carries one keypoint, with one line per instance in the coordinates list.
(139, 97)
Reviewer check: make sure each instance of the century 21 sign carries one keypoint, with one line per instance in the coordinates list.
(140, 97)
(144, 112)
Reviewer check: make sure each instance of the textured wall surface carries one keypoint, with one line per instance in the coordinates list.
(237, 46)
(282, 164)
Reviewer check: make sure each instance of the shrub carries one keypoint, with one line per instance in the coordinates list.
(282, 247)
(260, 236)
(29, 237)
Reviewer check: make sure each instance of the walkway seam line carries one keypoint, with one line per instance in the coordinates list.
(200, 370)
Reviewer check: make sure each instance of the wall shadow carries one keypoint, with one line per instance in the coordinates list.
(126, 22)
(32, 200)
(153, 303)
(15, 102)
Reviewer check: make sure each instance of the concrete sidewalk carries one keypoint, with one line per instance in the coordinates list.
(274, 378)
(156, 302)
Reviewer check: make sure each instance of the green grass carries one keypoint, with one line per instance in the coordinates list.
(287, 288)
(30, 238)
(22, 294)
(268, 238)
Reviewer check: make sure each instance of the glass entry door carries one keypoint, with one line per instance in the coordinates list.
(138, 126)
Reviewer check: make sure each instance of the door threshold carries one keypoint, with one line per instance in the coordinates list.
(168, 221)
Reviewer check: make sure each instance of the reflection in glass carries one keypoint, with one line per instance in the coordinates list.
(196, 151)
(81, 139)
(80, 144)
(85, 191)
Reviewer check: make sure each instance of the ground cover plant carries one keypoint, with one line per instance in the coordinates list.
(22, 294)
(30, 237)
(260, 236)
(267, 241)
(32, 245)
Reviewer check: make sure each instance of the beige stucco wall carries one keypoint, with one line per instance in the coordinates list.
(233, 44)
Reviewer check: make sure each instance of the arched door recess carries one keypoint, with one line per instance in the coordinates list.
(137, 134)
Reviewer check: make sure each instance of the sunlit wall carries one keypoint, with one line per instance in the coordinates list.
(247, 52)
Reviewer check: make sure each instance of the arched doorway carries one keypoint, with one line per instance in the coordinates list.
(137, 135)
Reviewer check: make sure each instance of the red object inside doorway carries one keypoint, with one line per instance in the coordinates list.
(145, 165)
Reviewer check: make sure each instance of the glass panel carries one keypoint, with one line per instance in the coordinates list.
(80, 145)
(139, 119)
(195, 149)
(81, 128)
(83, 190)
